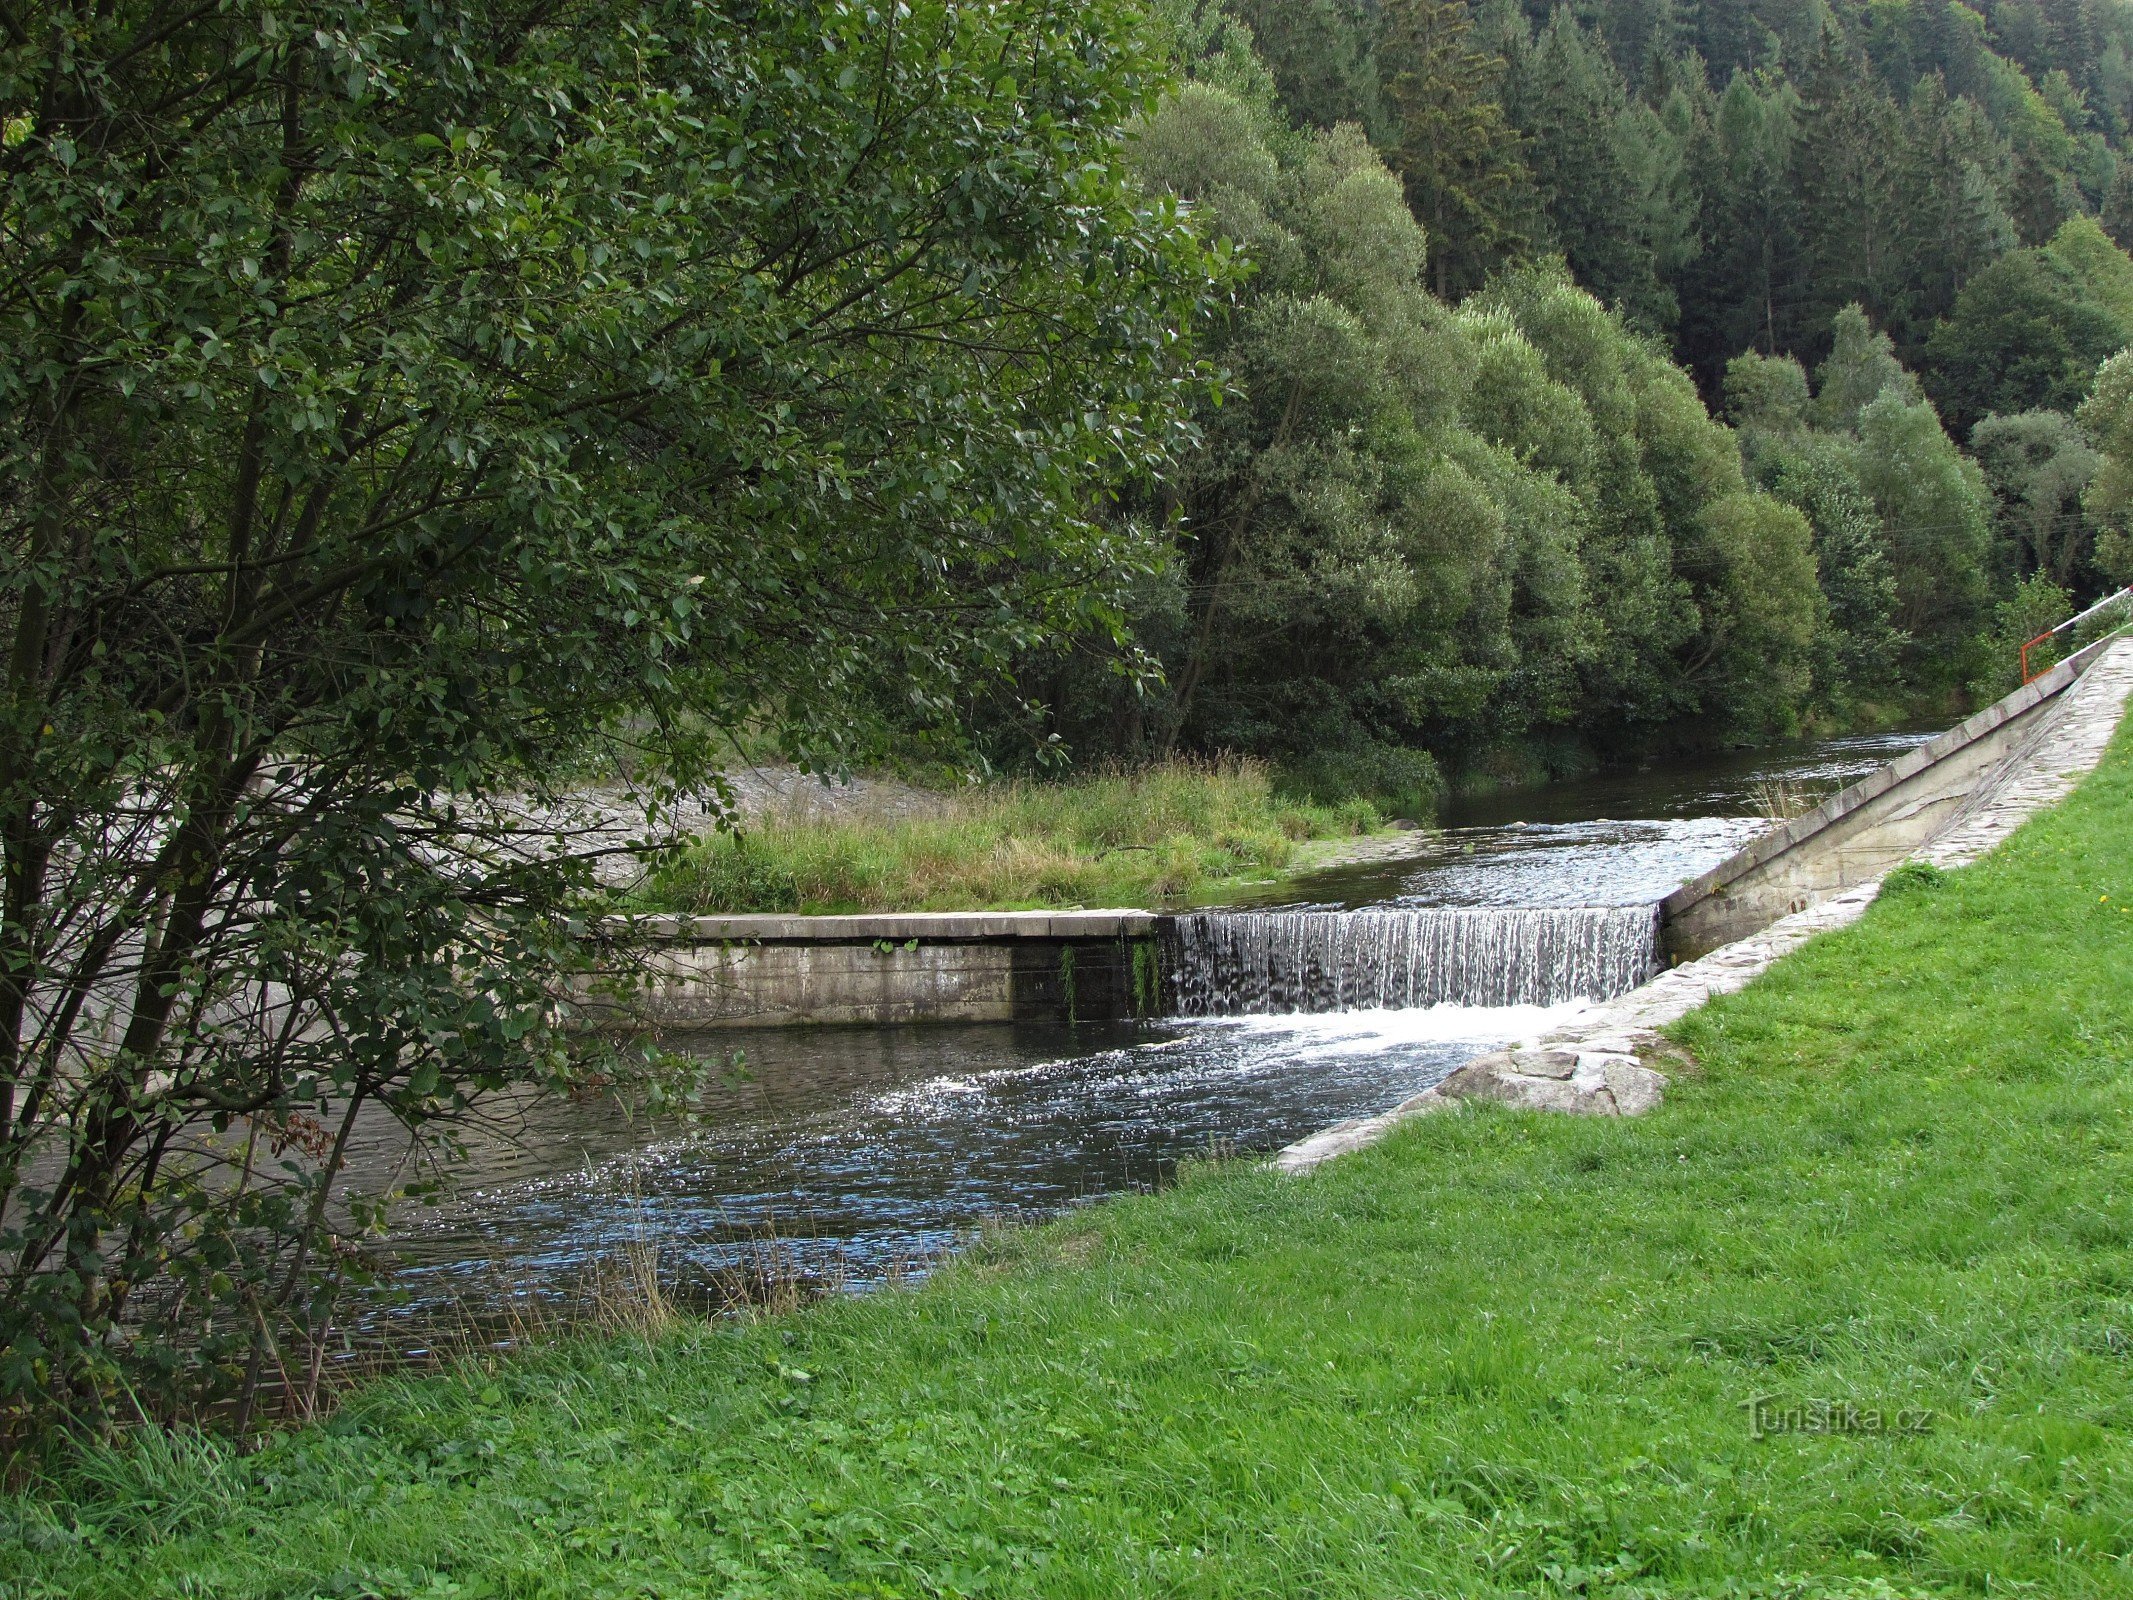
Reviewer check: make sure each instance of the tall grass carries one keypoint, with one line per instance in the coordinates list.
(1163, 833)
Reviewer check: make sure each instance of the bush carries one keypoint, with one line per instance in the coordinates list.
(1912, 878)
(1366, 781)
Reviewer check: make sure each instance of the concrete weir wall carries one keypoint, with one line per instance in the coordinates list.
(961, 966)
(1856, 836)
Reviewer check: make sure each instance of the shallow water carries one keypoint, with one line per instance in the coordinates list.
(844, 1156)
(851, 1154)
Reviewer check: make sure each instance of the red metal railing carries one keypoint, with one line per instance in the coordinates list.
(2107, 600)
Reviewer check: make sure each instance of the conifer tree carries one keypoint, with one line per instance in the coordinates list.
(1320, 53)
(1951, 224)
(1849, 197)
(1738, 295)
(1593, 169)
(2117, 212)
(1459, 158)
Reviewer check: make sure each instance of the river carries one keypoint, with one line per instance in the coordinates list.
(844, 1157)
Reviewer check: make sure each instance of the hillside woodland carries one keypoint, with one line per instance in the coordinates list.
(1622, 376)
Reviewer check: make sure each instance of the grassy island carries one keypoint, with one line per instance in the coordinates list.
(1176, 832)
(1850, 1316)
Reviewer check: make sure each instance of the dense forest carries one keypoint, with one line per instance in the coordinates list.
(1618, 376)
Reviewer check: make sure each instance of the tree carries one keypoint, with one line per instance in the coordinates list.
(1860, 368)
(2107, 417)
(1766, 611)
(2039, 465)
(2024, 335)
(1457, 155)
(1323, 55)
(1858, 652)
(1409, 527)
(1766, 398)
(1752, 35)
(1860, 655)
(2117, 212)
(1849, 201)
(2098, 264)
(1951, 223)
(1936, 518)
(1607, 171)
(1739, 293)
(405, 409)
(2034, 606)
(1677, 635)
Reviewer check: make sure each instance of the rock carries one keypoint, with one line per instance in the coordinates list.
(1542, 1063)
(1636, 1089)
(1584, 1083)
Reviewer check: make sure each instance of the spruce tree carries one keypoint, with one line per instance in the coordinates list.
(1459, 158)
(1570, 104)
(1739, 294)
(1845, 173)
(1951, 224)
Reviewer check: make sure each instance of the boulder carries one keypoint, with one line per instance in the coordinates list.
(1585, 1083)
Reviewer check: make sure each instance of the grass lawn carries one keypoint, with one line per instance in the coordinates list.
(1179, 831)
(1499, 1355)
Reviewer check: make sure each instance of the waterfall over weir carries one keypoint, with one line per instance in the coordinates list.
(1248, 963)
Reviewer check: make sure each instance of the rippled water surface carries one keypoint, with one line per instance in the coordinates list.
(852, 1153)
(845, 1155)
(1622, 838)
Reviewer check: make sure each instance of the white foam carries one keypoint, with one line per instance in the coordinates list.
(1364, 1032)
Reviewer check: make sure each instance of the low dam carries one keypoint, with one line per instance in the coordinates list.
(946, 966)
(1079, 966)
(1258, 963)
(852, 1155)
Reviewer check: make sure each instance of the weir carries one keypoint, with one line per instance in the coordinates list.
(740, 971)
(1089, 965)
(1254, 963)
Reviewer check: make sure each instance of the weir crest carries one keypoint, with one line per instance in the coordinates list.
(1254, 963)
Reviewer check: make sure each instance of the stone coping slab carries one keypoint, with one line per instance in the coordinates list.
(901, 926)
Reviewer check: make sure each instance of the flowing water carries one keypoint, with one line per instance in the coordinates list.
(849, 1155)
(1248, 963)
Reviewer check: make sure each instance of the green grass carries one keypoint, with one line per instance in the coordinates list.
(1181, 831)
(1499, 1355)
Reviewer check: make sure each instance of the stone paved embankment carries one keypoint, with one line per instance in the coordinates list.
(1601, 1064)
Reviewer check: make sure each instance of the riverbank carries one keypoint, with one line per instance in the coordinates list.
(1848, 1316)
(1179, 833)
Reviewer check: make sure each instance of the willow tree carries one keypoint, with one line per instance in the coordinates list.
(408, 408)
